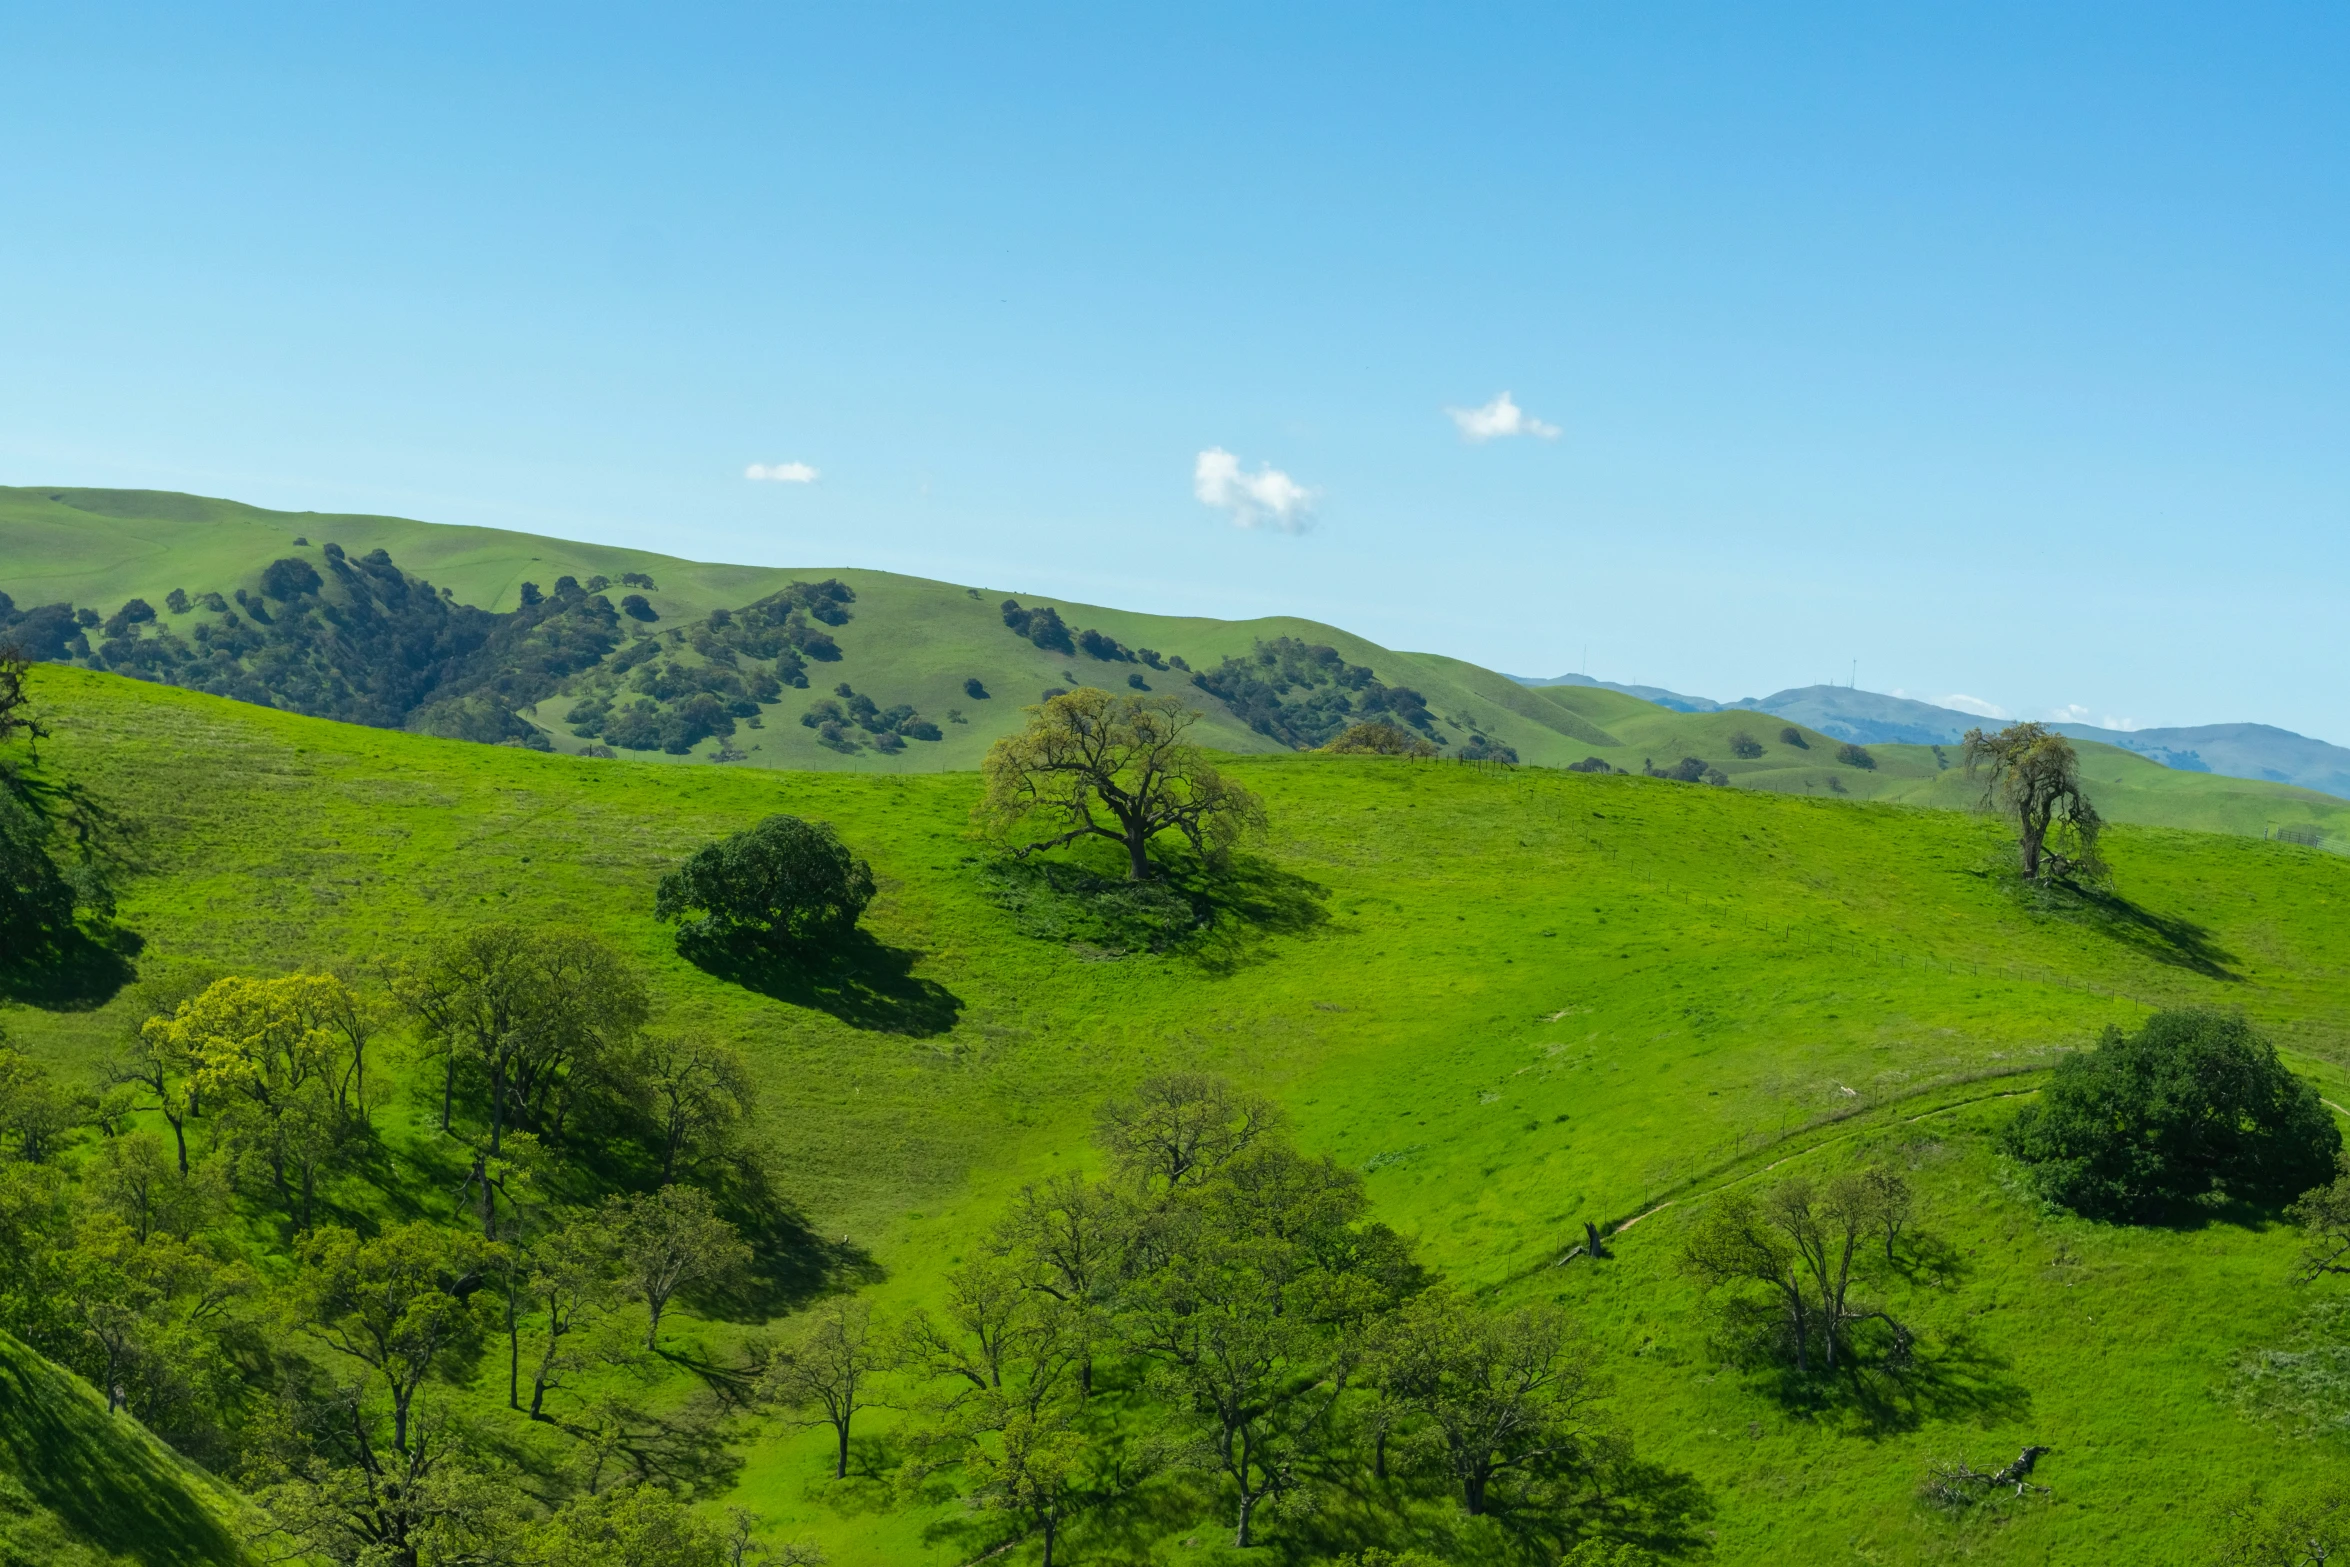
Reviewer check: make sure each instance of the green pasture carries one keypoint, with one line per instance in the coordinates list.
(1519, 998)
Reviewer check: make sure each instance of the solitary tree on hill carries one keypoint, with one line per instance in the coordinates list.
(782, 882)
(1116, 767)
(2031, 775)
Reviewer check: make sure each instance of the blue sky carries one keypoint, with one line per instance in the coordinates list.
(1999, 351)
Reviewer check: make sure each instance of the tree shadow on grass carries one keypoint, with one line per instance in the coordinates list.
(75, 970)
(1956, 1378)
(2170, 940)
(790, 1264)
(854, 978)
(1217, 913)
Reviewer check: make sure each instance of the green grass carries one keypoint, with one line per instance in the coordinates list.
(1521, 999)
(82, 1488)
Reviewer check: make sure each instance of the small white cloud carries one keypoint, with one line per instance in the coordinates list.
(1265, 498)
(1500, 417)
(1973, 704)
(781, 472)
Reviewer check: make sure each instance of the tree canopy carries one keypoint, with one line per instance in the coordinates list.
(2032, 776)
(2192, 1104)
(1090, 764)
(781, 882)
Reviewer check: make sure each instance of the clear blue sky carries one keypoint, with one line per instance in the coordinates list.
(2001, 350)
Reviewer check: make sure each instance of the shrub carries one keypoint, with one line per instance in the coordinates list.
(2195, 1103)
(1794, 737)
(177, 601)
(974, 690)
(1137, 682)
(1590, 764)
(1484, 748)
(782, 882)
(1379, 738)
(1687, 770)
(1856, 756)
(637, 607)
(636, 579)
(1746, 747)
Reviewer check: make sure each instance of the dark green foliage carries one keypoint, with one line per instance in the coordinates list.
(781, 882)
(885, 728)
(1590, 764)
(177, 601)
(47, 633)
(1484, 748)
(2194, 1104)
(53, 837)
(1102, 646)
(1745, 746)
(1042, 626)
(286, 579)
(1794, 737)
(974, 690)
(1690, 769)
(636, 579)
(1305, 695)
(637, 607)
(1856, 756)
(1137, 682)
(365, 643)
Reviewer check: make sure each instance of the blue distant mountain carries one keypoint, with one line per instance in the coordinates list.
(1873, 718)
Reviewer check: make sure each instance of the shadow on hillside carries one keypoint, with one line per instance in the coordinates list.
(1954, 1379)
(2167, 939)
(78, 970)
(790, 1264)
(855, 978)
(120, 1497)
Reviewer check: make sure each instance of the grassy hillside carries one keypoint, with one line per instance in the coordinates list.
(1519, 999)
(914, 643)
(82, 1488)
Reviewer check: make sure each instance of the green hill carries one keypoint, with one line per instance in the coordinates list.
(82, 1488)
(1520, 999)
(904, 645)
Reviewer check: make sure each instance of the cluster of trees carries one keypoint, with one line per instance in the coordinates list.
(1783, 1265)
(1306, 695)
(747, 658)
(353, 638)
(1223, 1306)
(1690, 769)
(886, 729)
(321, 1371)
(1042, 625)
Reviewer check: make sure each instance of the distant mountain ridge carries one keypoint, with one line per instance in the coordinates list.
(2260, 751)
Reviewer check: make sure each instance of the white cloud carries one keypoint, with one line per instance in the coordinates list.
(781, 472)
(1500, 417)
(2075, 713)
(1265, 498)
(1973, 704)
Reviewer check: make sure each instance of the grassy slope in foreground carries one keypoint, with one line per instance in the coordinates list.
(82, 1488)
(1530, 999)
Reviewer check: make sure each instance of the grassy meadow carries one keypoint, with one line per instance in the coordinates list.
(1519, 999)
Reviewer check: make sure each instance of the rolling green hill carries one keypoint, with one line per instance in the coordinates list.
(1520, 999)
(82, 1488)
(911, 644)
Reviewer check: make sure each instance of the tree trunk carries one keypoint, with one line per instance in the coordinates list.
(513, 1354)
(840, 1464)
(179, 1132)
(1138, 862)
(1052, 1529)
(448, 1087)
